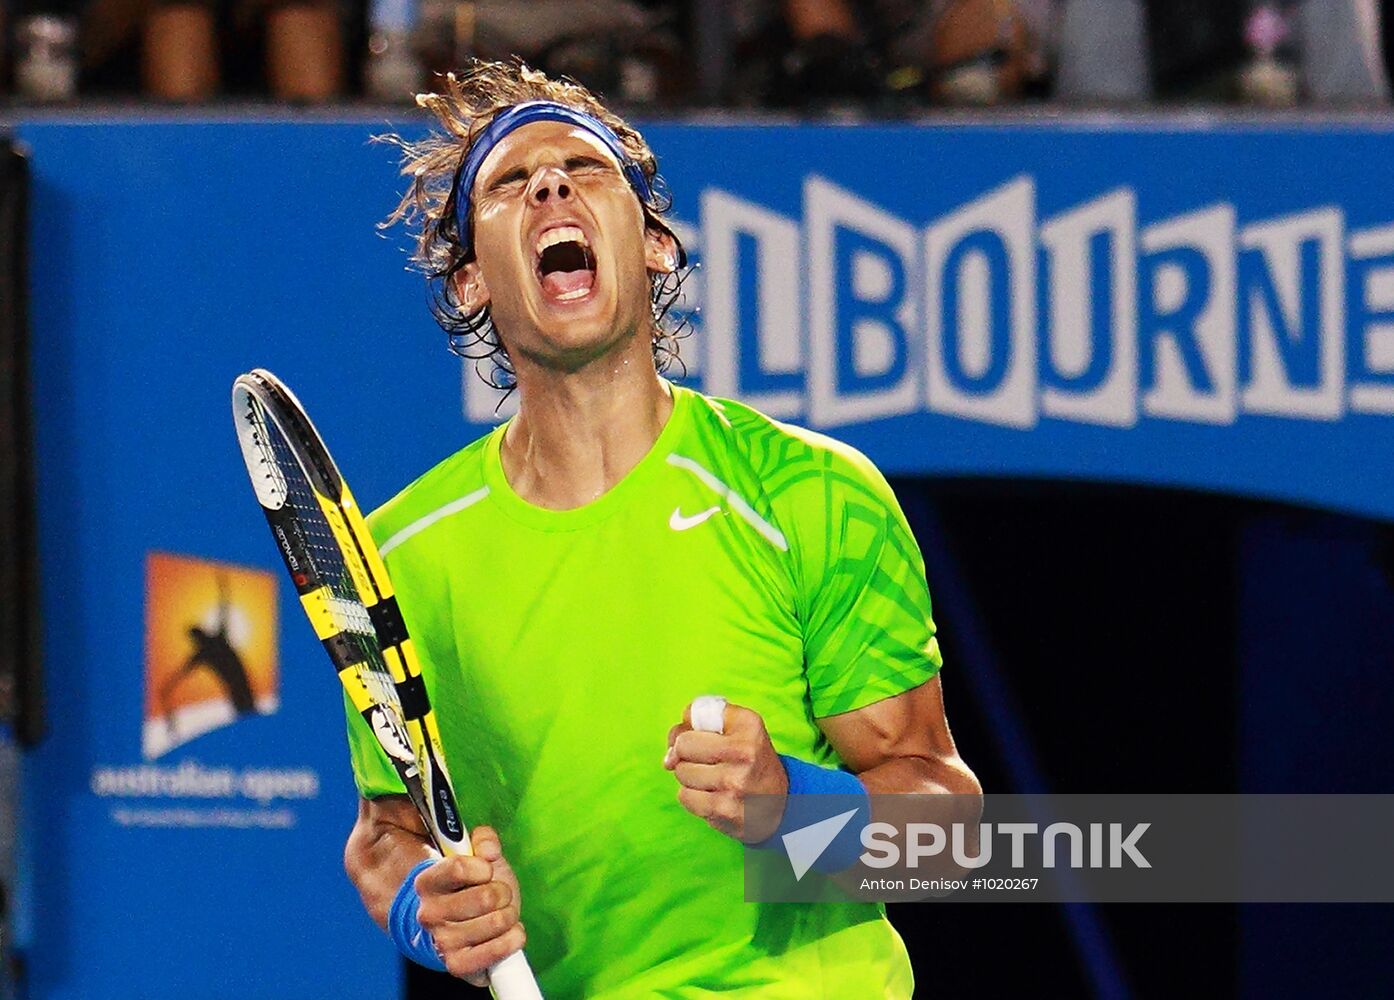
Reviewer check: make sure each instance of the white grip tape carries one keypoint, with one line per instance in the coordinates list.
(512, 979)
(709, 713)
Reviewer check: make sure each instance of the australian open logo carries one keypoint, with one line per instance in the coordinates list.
(210, 648)
(994, 314)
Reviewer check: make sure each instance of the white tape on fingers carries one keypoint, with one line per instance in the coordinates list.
(709, 713)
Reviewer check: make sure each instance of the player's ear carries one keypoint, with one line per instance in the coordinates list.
(660, 250)
(470, 288)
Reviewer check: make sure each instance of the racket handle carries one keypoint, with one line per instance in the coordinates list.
(709, 713)
(512, 979)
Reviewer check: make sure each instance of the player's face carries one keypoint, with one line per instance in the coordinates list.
(561, 251)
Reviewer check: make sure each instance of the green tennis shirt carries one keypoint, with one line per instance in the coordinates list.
(740, 557)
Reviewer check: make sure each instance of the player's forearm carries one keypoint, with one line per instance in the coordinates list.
(928, 776)
(382, 848)
(938, 790)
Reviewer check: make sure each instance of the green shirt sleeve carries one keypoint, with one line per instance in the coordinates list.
(373, 773)
(864, 605)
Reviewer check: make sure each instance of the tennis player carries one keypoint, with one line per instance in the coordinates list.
(574, 579)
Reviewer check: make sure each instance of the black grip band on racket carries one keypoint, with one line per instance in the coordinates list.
(412, 693)
(345, 650)
(387, 622)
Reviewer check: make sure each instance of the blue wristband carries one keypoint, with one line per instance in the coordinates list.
(834, 791)
(405, 929)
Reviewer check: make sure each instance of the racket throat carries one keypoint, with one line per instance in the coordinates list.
(443, 808)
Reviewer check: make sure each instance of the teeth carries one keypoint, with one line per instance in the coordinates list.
(573, 294)
(562, 234)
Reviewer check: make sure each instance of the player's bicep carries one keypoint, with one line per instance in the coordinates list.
(912, 724)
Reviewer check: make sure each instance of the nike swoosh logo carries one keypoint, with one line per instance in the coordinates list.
(680, 523)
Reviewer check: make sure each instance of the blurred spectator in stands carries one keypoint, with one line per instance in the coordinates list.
(829, 60)
(1386, 13)
(1264, 51)
(981, 52)
(45, 60)
(1328, 50)
(868, 56)
(630, 50)
(195, 50)
(1101, 51)
(179, 51)
(1197, 47)
(881, 55)
(304, 50)
(977, 52)
(803, 54)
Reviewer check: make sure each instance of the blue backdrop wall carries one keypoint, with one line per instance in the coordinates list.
(1203, 307)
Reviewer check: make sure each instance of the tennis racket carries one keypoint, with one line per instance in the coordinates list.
(345, 591)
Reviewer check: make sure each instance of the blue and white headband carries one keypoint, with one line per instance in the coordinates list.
(526, 113)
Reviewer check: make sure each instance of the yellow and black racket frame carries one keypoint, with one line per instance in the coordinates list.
(424, 774)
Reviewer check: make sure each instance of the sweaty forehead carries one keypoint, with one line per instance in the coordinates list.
(519, 147)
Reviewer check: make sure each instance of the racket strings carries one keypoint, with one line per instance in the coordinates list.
(255, 417)
(321, 546)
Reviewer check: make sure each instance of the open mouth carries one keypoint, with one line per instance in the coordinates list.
(565, 263)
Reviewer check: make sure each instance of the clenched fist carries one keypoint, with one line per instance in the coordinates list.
(469, 906)
(718, 771)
